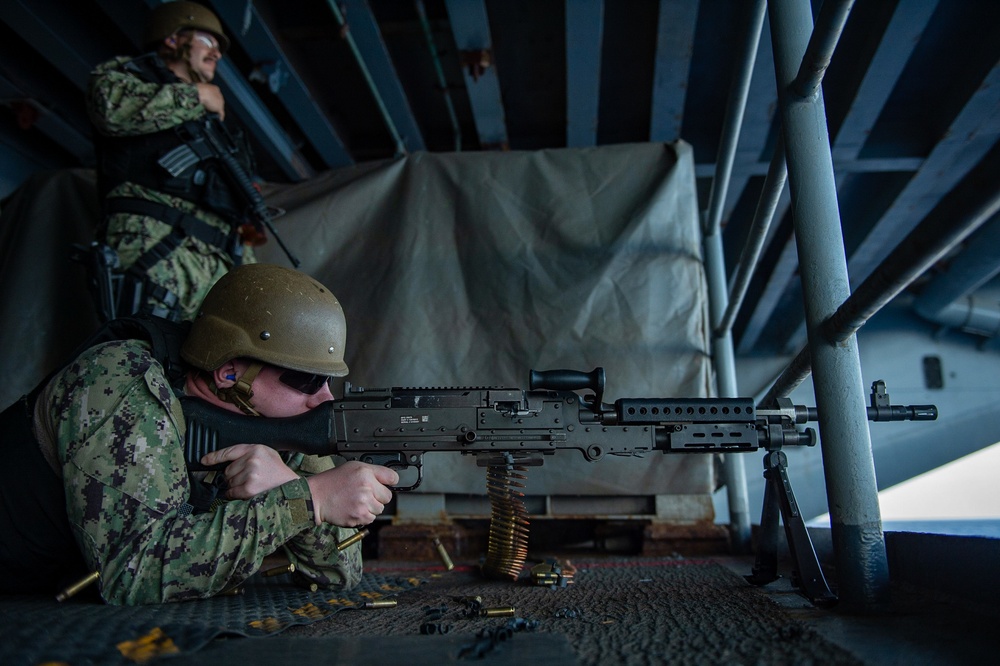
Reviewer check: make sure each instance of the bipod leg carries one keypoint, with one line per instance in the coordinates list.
(765, 568)
(810, 578)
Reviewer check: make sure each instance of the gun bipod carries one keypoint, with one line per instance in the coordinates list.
(779, 502)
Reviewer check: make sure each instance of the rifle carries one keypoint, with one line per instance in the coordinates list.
(510, 429)
(207, 138)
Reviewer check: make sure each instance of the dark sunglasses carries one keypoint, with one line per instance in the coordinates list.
(304, 382)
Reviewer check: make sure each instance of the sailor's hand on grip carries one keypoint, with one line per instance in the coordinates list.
(352, 494)
(252, 469)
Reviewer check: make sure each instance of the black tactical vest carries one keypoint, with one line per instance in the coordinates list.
(137, 159)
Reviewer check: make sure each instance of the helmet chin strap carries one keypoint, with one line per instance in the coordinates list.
(241, 393)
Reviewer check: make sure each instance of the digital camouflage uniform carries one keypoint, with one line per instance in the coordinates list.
(120, 104)
(117, 429)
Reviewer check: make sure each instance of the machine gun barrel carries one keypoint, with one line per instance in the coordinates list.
(903, 413)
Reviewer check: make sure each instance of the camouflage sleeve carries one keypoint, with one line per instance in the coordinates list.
(315, 552)
(121, 104)
(119, 430)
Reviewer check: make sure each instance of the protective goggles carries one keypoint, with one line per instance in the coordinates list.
(204, 38)
(304, 382)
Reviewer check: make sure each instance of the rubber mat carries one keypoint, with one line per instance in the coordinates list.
(670, 611)
(37, 630)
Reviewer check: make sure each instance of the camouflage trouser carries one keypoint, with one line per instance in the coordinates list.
(188, 272)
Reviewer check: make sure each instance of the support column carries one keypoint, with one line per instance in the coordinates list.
(722, 340)
(849, 468)
(724, 361)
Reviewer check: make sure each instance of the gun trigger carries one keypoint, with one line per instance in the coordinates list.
(420, 477)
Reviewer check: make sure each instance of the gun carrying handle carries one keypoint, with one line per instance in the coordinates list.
(569, 380)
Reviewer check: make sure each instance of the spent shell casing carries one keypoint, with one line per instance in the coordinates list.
(232, 592)
(353, 539)
(443, 554)
(499, 611)
(75, 588)
(380, 603)
(277, 571)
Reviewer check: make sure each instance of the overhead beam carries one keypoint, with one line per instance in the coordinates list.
(471, 28)
(244, 102)
(584, 38)
(674, 48)
(246, 27)
(906, 26)
(970, 136)
(975, 266)
(376, 64)
(65, 44)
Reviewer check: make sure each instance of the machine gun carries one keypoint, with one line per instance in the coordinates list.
(509, 429)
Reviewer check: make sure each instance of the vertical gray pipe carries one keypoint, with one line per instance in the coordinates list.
(733, 120)
(849, 468)
(734, 469)
(774, 185)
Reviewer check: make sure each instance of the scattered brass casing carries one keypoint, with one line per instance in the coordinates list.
(380, 603)
(277, 571)
(353, 539)
(499, 611)
(75, 588)
(443, 554)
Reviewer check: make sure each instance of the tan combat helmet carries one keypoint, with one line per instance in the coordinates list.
(273, 314)
(166, 19)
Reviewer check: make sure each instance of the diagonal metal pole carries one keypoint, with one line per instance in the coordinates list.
(848, 464)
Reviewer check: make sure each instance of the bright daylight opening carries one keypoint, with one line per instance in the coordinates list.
(962, 497)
